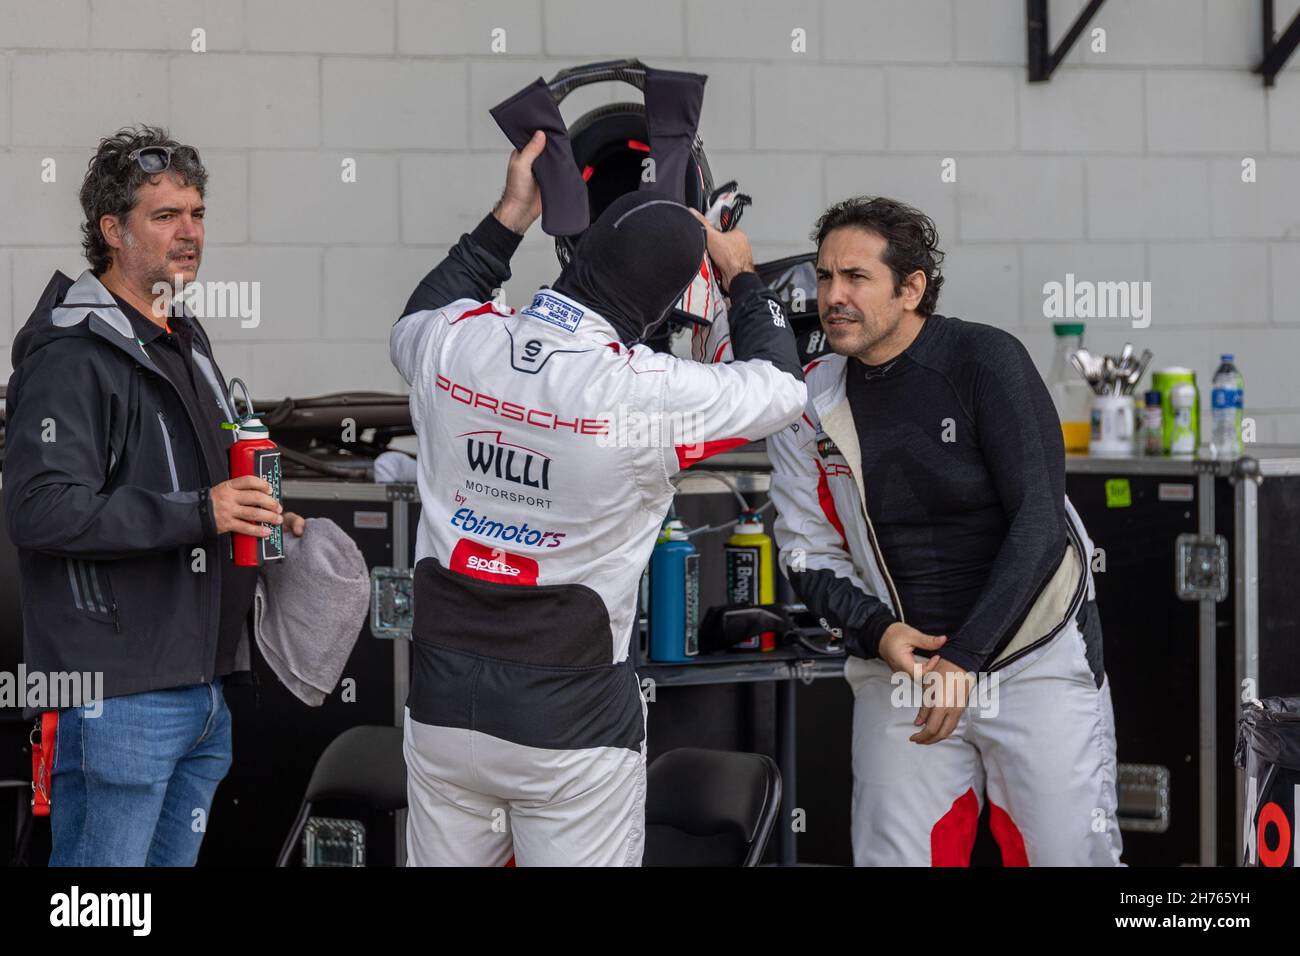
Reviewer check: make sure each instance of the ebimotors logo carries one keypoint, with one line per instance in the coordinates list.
(492, 564)
(471, 522)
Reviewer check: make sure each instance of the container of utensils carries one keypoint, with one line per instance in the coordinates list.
(1113, 379)
(1112, 426)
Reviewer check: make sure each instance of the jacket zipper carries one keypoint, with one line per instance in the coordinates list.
(171, 460)
(87, 574)
(205, 593)
(171, 467)
(99, 595)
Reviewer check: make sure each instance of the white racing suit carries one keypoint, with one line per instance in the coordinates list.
(546, 449)
(1036, 739)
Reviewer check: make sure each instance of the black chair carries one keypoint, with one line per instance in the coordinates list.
(710, 808)
(362, 764)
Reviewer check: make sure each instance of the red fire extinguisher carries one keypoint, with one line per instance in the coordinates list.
(253, 453)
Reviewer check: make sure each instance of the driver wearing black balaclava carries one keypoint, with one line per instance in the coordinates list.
(549, 438)
(635, 262)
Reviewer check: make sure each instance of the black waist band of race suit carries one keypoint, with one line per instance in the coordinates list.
(525, 664)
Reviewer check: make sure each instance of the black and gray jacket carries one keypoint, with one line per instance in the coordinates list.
(106, 494)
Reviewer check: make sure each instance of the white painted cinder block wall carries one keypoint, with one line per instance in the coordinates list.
(1126, 166)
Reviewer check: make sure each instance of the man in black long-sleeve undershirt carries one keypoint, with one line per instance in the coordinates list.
(944, 533)
(964, 462)
(962, 457)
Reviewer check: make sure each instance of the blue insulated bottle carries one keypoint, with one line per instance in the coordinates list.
(674, 597)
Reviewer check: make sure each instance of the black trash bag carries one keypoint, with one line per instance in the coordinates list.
(1268, 749)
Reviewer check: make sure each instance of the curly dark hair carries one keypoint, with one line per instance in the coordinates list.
(112, 181)
(911, 240)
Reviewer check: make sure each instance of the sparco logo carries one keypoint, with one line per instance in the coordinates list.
(491, 565)
(488, 453)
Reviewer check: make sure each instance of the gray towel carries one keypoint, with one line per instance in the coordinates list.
(309, 608)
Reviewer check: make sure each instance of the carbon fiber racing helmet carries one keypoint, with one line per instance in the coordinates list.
(611, 143)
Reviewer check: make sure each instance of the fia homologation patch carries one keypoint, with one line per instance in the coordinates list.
(555, 311)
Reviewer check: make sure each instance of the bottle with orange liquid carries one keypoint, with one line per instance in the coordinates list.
(1070, 393)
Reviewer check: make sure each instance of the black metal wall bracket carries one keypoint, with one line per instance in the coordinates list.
(1276, 49)
(1043, 61)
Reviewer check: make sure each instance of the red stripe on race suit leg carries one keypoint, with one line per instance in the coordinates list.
(510, 862)
(1010, 840)
(828, 505)
(688, 455)
(953, 837)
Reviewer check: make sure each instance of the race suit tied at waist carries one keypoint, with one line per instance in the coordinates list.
(559, 625)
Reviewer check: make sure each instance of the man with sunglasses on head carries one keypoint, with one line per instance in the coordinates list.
(119, 499)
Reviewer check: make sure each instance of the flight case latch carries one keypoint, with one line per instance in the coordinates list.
(392, 602)
(1202, 564)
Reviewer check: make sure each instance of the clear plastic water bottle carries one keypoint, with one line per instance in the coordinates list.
(1225, 410)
